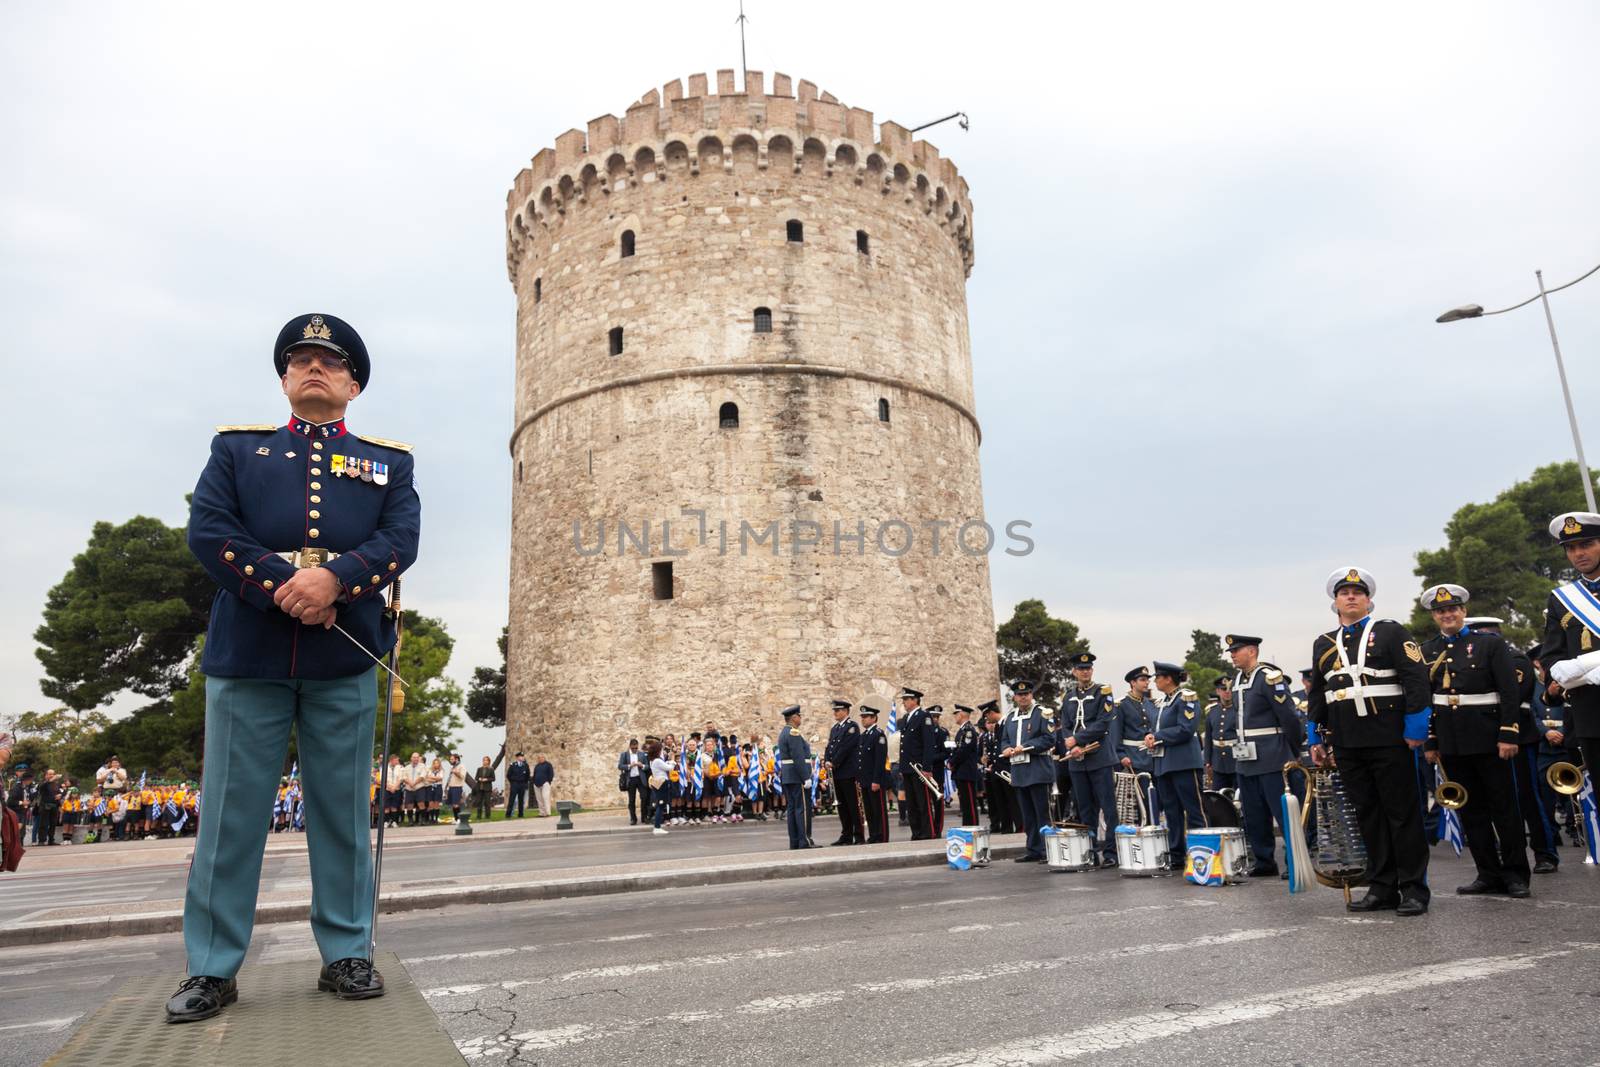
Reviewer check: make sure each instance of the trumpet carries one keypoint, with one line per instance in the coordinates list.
(1565, 779)
(1452, 795)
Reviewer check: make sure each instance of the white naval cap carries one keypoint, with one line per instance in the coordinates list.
(1484, 620)
(1444, 595)
(1352, 576)
(1575, 526)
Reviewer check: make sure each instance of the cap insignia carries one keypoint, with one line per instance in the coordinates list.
(1573, 526)
(1442, 594)
(1352, 576)
(317, 330)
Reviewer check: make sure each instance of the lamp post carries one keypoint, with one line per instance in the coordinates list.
(1475, 311)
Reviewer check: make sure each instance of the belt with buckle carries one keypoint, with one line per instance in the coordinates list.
(308, 557)
(1466, 700)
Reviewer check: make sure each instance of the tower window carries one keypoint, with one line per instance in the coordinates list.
(728, 416)
(763, 320)
(797, 232)
(863, 242)
(519, 470)
(538, 290)
(627, 243)
(616, 340)
(661, 580)
(883, 410)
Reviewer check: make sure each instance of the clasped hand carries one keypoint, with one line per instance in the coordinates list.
(310, 596)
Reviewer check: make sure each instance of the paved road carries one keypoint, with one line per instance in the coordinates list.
(435, 862)
(1010, 965)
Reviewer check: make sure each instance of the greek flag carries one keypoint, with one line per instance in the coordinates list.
(172, 808)
(699, 777)
(949, 786)
(816, 778)
(100, 808)
(1449, 823)
(752, 777)
(1591, 819)
(141, 780)
(294, 771)
(894, 721)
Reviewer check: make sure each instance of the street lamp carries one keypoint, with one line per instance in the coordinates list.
(1475, 311)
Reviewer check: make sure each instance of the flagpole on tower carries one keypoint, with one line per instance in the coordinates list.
(744, 64)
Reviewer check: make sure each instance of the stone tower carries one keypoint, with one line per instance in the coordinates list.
(745, 445)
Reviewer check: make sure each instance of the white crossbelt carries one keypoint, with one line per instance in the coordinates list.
(1465, 700)
(1134, 744)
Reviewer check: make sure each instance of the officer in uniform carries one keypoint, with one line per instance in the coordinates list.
(1553, 718)
(794, 771)
(1004, 815)
(1087, 712)
(964, 768)
(872, 773)
(301, 526)
(1220, 770)
(1025, 742)
(1136, 717)
(1266, 734)
(916, 736)
(1474, 735)
(935, 753)
(1370, 706)
(1538, 817)
(840, 758)
(1572, 635)
(1174, 746)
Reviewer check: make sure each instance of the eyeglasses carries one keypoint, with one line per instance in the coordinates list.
(332, 361)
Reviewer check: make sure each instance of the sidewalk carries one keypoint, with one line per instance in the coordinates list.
(165, 916)
(123, 854)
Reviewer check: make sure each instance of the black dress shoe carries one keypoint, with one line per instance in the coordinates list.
(1517, 890)
(1545, 866)
(1108, 863)
(1479, 887)
(1025, 858)
(1410, 908)
(351, 978)
(1373, 901)
(201, 997)
(1261, 870)
(836, 844)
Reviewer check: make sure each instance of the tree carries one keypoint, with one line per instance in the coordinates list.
(165, 738)
(1033, 645)
(125, 616)
(429, 721)
(486, 696)
(60, 739)
(1503, 554)
(1204, 663)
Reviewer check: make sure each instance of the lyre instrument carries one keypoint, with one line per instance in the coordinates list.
(1339, 858)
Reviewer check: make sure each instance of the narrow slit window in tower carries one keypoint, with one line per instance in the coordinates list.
(728, 416)
(661, 580)
(797, 232)
(538, 290)
(763, 320)
(519, 470)
(883, 410)
(627, 243)
(616, 340)
(863, 242)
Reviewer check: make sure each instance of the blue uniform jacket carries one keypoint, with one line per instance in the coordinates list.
(1220, 737)
(1270, 720)
(1135, 718)
(1086, 715)
(267, 490)
(843, 738)
(1031, 732)
(794, 757)
(1178, 745)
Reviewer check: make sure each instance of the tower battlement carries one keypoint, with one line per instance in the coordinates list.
(670, 134)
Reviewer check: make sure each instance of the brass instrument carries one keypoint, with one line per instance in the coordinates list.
(927, 780)
(1452, 795)
(1565, 779)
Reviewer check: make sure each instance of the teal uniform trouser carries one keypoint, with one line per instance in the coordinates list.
(247, 737)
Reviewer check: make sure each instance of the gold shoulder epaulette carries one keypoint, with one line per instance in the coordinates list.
(384, 442)
(1186, 694)
(1274, 676)
(256, 427)
(1106, 689)
(1210, 706)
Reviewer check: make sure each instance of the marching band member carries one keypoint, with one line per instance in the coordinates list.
(1026, 742)
(1136, 715)
(1087, 712)
(1370, 705)
(1572, 634)
(1175, 752)
(1220, 769)
(872, 772)
(1004, 815)
(1266, 735)
(964, 769)
(1474, 736)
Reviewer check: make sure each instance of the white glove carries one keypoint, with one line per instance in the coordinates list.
(1592, 678)
(1572, 673)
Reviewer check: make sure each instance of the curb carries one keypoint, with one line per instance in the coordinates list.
(162, 922)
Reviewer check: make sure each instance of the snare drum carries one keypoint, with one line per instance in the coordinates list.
(1217, 855)
(1068, 849)
(1140, 850)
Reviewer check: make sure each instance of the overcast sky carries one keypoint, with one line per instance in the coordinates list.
(1211, 242)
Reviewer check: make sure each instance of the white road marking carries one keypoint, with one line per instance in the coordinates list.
(49, 1026)
(1134, 1030)
(628, 970)
(483, 1047)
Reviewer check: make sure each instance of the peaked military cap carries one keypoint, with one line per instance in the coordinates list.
(1237, 641)
(792, 709)
(1444, 596)
(1222, 685)
(1572, 526)
(935, 711)
(842, 704)
(323, 331)
(866, 711)
(1481, 621)
(1022, 687)
(1171, 670)
(1307, 672)
(988, 706)
(963, 707)
(1081, 659)
(907, 691)
(1359, 577)
(1137, 672)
